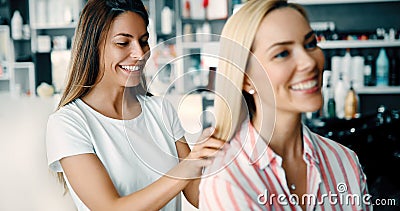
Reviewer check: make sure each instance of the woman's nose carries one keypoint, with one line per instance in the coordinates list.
(137, 51)
(305, 61)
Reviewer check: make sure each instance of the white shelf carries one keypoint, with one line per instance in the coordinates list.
(192, 45)
(24, 75)
(325, 44)
(315, 2)
(196, 45)
(54, 26)
(358, 44)
(379, 90)
(164, 60)
(4, 78)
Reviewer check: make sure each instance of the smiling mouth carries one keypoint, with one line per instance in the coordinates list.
(131, 68)
(306, 85)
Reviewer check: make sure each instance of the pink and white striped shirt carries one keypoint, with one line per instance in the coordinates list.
(249, 176)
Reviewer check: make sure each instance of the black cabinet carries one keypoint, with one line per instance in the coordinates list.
(43, 71)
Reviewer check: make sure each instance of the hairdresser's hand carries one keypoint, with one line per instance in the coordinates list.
(202, 154)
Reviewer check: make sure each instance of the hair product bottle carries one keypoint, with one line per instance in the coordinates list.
(331, 106)
(369, 71)
(166, 23)
(340, 95)
(382, 69)
(347, 67)
(16, 25)
(394, 69)
(351, 103)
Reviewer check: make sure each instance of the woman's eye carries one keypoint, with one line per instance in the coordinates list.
(312, 44)
(144, 42)
(282, 54)
(122, 43)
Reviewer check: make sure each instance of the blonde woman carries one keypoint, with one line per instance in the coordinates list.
(115, 146)
(271, 67)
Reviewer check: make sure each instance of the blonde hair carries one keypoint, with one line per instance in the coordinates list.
(235, 48)
(84, 71)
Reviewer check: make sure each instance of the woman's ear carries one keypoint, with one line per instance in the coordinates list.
(247, 86)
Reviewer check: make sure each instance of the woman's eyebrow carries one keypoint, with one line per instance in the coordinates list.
(309, 34)
(131, 36)
(145, 35)
(123, 34)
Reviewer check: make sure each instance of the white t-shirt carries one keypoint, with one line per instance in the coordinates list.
(134, 152)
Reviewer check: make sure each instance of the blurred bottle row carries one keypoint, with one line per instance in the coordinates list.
(326, 31)
(369, 70)
(350, 73)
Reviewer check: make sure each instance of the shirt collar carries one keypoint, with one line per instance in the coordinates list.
(260, 154)
(309, 142)
(255, 147)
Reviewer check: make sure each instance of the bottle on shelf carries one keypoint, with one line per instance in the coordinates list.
(166, 20)
(340, 95)
(206, 32)
(330, 104)
(392, 34)
(357, 71)
(331, 108)
(369, 71)
(394, 69)
(186, 9)
(187, 30)
(351, 103)
(199, 33)
(382, 69)
(197, 10)
(347, 67)
(331, 33)
(336, 67)
(380, 33)
(326, 80)
(16, 25)
(381, 115)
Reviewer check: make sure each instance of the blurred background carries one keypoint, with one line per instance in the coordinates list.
(361, 83)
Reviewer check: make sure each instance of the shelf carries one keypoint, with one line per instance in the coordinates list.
(164, 60)
(379, 90)
(326, 44)
(24, 65)
(190, 45)
(358, 44)
(4, 78)
(23, 77)
(200, 21)
(314, 2)
(196, 45)
(54, 26)
(22, 40)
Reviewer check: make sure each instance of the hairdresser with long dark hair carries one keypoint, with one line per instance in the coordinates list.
(113, 145)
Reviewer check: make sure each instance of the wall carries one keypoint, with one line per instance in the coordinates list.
(358, 16)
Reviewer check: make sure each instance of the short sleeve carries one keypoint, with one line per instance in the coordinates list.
(66, 136)
(170, 113)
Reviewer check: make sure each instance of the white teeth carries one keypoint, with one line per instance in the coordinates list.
(130, 68)
(305, 85)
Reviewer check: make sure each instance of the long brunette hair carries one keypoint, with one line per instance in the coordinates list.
(93, 26)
